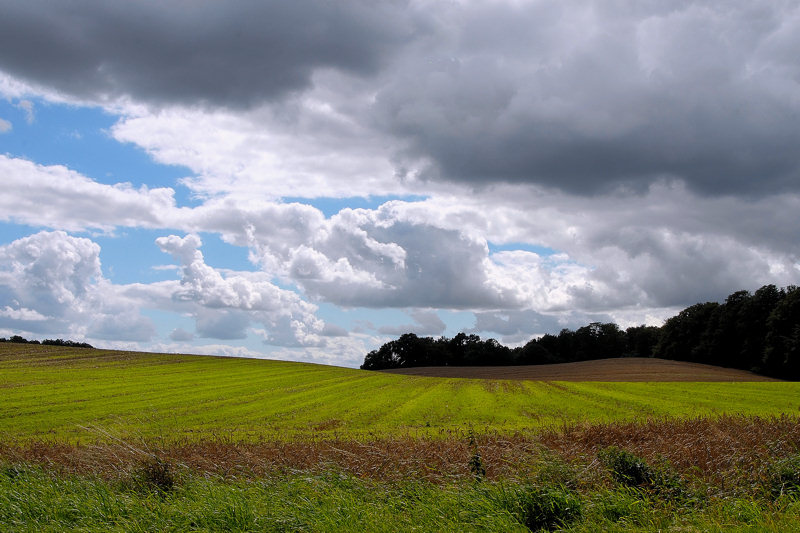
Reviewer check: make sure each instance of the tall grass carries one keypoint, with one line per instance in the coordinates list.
(34, 500)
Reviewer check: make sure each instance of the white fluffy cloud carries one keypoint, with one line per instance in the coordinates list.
(224, 306)
(75, 202)
(52, 283)
(433, 253)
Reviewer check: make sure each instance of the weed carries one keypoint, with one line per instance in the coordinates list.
(475, 460)
(156, 474)
(540, 508)
(626, 467)
(553, 470)
(619, 504)
(631, 470)
(13, 471)
(784, 476)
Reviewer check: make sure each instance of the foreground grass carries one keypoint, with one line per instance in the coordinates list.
(34, 500)
(730, 474)
(70, 395)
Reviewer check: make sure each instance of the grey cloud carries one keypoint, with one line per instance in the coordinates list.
(234, 53)
(670, 269)
(440, 268)
(332, 330)
(181, 335)
(426, 323)
(591, 98)
(224, 324)
(511, 323)
(127, 326)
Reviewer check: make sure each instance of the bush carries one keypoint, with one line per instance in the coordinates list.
(541, 508)
(626, 468)
(633, 471)
(156, 475)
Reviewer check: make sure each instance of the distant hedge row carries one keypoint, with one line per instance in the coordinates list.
(759, 332)
(48, 342)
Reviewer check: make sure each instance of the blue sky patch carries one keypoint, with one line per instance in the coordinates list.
(543, 251)
(331, 206)
(79, 138)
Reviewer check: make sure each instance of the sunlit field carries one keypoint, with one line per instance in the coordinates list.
(98, 440)
(84, 395)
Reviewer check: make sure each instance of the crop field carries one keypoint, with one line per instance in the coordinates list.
(620, 369)
(98, 440)
(78, 395)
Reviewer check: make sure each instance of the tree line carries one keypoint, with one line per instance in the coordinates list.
(759, 332)
(47, 342)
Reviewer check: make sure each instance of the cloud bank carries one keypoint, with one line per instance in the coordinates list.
(545, 163)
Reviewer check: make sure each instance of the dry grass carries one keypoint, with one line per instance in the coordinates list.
(721, 451)
(619, 369)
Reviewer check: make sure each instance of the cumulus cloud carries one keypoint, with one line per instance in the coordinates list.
(52, 282)
(5, 126)
(224, 306)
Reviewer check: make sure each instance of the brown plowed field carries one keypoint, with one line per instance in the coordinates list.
(620, 369)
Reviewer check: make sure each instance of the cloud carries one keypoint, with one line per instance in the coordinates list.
(585, 98)
(332, 330)
(426, 323)
(5, 126)
(225, 306)
(75, 202)
(51, 282)
(28, 107)
(590, 97)
(235, 53)
(181, 335)
(434, 254)
(317, 146)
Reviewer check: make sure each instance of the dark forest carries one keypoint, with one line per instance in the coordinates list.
(759, 332)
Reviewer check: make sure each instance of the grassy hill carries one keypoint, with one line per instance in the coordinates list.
(72, 394)
(99, 440)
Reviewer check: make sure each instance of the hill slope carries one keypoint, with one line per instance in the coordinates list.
(620, 369)
(70, 394)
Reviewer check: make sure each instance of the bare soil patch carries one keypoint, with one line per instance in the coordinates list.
(619, 369)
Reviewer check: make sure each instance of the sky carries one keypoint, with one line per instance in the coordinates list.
(307, 180)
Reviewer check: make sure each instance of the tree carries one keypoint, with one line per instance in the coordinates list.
(642, 340)
(782, 345)
(682, 335)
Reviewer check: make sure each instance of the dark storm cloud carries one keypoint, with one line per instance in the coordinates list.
(590, 96)
(231, 53)
(586, 96)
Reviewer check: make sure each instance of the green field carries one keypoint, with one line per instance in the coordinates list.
(69, 394)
